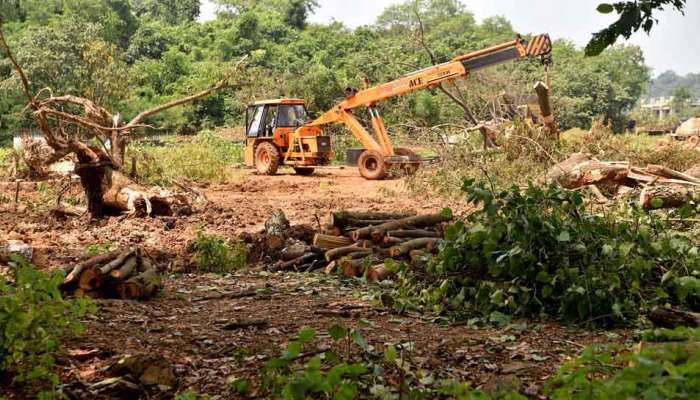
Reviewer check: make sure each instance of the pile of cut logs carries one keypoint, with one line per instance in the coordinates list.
(120, 274)
(355, 243)
(659, 186)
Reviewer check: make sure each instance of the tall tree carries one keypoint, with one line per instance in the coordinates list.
(169, 11)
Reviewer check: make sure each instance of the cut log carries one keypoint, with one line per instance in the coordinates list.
(336, 253)
(276, 228)
(361, 223)
(670, 318)
(123, 194)
(413, 233)
(107, 268)
(294, 251)
(126, 269)
(669, 173)
(330, 268)
(359, 254)
(351, 268)
(143, 286)
(393, 241)
(571, 175)
(378, 273)
(331, 242)
(303, 259)
(672, 196)
(90, 279)
(543, 100)
(417, 221)
(421, 243)
(71, 280)
(340, 218)
(331, 230)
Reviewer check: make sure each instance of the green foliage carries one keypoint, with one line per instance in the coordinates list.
(96, 48)
(666, 370)
(537, 251)
(205, 159)
(33, 320)
(212, 253)
(633, 16)
(667, 82)
(168, 11)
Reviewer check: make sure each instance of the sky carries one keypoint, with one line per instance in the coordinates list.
(673, 45)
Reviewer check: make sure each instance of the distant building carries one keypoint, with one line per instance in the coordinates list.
(661, 107)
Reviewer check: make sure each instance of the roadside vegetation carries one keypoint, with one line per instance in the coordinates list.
(205, 158)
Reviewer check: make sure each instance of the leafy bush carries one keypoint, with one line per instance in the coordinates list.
(658, 371)
(214, 253)
(205, 159)
(537, 251)
(33, 320)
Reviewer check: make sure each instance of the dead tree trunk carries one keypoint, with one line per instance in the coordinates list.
(68, 132)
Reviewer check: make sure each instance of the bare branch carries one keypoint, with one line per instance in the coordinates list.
(13, 60)
(155, 110)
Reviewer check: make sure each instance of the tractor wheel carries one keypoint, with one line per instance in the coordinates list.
(267, 158)
(412, 168)
(371, 165)
(303, 171)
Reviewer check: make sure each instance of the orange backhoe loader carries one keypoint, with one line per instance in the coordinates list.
(278, 131)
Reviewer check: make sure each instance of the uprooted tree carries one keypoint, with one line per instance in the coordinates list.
(98, 139)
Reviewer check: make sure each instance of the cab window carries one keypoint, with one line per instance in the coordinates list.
(255, 124)
(291, 115)
(270, 118)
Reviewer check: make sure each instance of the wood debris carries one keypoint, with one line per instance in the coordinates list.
(120, 274)
(357, 243)
(659, 186)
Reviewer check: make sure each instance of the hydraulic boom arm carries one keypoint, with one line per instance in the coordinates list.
(458, 67)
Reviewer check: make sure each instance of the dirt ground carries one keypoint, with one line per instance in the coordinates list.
(189, 324)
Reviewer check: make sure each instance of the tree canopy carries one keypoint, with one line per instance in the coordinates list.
(136, 53)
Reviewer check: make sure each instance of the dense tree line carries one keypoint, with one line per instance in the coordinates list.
(130, 54)
(668, 82)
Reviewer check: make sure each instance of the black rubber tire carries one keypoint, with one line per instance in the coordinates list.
(371, 165)
(267, 158)
(409, 169)
(304, 171)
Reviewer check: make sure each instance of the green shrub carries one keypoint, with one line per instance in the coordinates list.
(33, 320)
(214, 253)
(205, 159)
(537, 252)
(658, 371)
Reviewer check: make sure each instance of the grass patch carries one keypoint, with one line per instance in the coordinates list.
(213, 253)
(205, 159)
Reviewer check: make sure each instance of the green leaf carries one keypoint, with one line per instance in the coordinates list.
(337, 332)
(359, 340)
(390, 354)
(564, 236)
(306, 335)
(656, 203)
(499, 318)
(605, 8)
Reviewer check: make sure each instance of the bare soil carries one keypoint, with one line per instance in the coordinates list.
(187, 324)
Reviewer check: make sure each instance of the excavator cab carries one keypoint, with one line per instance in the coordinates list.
(275, 135)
